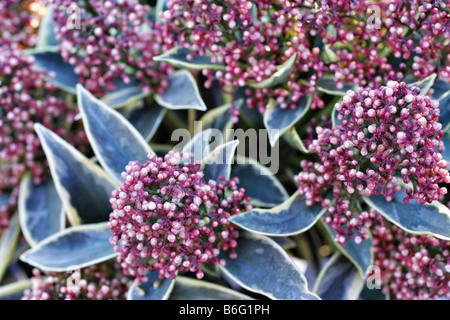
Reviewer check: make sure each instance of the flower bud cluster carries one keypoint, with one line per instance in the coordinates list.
(111, 42)
(27, 98)
(104, 281)
(384, 136)
(412, 266)
(252, 38)
(18, 22)
(167, 218)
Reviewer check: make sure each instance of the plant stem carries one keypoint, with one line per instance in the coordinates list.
(191, 119)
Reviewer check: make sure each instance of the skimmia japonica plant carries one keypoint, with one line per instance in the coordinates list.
(136, 138)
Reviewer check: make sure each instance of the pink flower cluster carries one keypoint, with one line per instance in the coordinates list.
(413, 31)
(252, 38)
(15, 23)
(167, 218)
(412, 266)
(419, 30)
(25, 99)
(114, 41)
(385, 133)
(104, 281)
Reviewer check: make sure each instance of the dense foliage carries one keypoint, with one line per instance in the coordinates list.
(136, 138)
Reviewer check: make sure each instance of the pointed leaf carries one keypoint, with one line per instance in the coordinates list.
(63, 73)
(114, 140)
(4, 199)
(328, 85)
(46, 33)
(191, 289)
(146, 119)
(8, 243)
(277, 120)
(289, 218)
(73, 248)
(259, 182)
(278, 77)
(178, 57)
(124, 97)
(424, 84)
(360, 254)
(218, 162)
(339, 280)
(292, 137)
(40, 209)
(153, 289)
(199, 145)
(182, 93)
(15, 290)
(262, 266)
(415, 218)
(83, 186)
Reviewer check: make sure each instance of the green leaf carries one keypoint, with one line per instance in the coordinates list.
(431, 218)
(40, 209)
(289, 218)
(46, 33)
(191, 289)
(292, 137)
(14, 290)
(328, 85)
(153, 289)
(125, 96)
(262, 266)
(284, 242)
(83, 186)
(177, 57)
(259, 182)
(182, 93)
(424, 84)
(220, 118)
(218, 162)
(440, 87)
(146, 119)
(199, 145)
(277, 120)
(4, 199)
(329, 55)
(444, 106)
(339, 280)
(360, 254)
(446, 140)
(278, 77)
(8, 243)
(74, 248)
(49, 59)
(114, 140)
